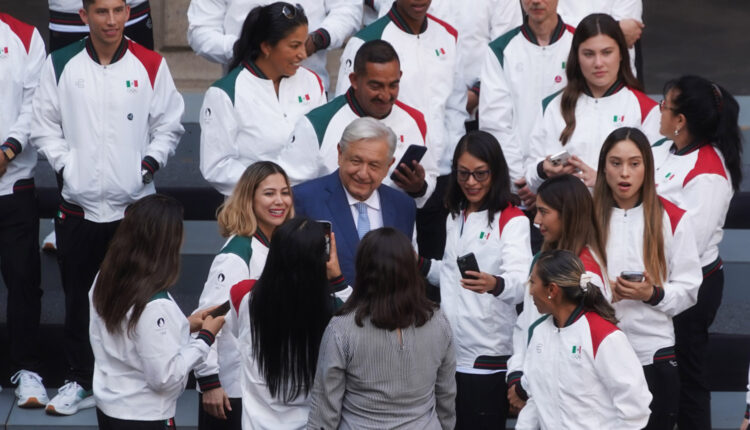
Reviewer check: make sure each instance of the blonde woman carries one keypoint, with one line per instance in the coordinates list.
(260, 202)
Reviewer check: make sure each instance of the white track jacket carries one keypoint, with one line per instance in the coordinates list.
(595, 119)
(21, 58)
(482, 323)
(312, 151)
(517, 74)
(215, 25)
(648, 326)
(139, 376)
(99, 123)
(243, 120)
(241, 258)
(432, 81)
(697, 180)
(583, 376)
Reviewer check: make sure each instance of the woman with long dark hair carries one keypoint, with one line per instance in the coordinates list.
(699, 167)
(386, 330)
(601, 95)
(279, 321)
(249, 114)
(481, 304)
(646, 234)
(139, 335)
(565, 216)
(581, 370)
(260, 202)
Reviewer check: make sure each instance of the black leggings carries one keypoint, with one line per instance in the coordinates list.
(663, 380)
(108, 423)
(481, 401)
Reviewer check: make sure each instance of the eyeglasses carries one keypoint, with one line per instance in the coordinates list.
(291, 12)
(479, 175)
(663, 105)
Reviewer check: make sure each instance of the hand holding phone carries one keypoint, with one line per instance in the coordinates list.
(633, 276)
(327, 231)
(561, 158)
(220, 310)
(467, 262)
(413, 153)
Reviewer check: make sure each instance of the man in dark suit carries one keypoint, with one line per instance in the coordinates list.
(348, 198)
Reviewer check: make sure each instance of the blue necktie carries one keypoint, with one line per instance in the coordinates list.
(363, 221)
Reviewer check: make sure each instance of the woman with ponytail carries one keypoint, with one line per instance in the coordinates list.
(249, 114)
(646, 234)
(582, 371)
(601, 95)
(698, 167)
(565, 216)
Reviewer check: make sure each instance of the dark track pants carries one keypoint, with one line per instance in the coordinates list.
(481, 401)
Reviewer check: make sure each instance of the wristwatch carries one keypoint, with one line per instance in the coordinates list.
(9, 153)
(146, 176)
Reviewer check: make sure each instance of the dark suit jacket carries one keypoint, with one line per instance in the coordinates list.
(324, 199)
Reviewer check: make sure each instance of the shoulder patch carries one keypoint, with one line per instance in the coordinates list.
(599, 328)
(240, 246)
(418, 117)
(533, 326)
(24, 31)
(547, 100)
(61, 57)
(659, 142)
(674, 212)
(239, 291)
(150, 59)
(320, 81)
(375, 30)
(321, 116)
(589, 262)
(229, 82)
(508, 214)
(707, 163)
(498, 45)
(645, 102)
(449, 28)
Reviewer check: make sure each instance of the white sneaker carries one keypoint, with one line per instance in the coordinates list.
(30, 391)
(69, 399)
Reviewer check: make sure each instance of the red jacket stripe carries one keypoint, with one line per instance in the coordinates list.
(150, 59)
(24, 31)
(320, 81)
(239, 291)
(418, 117)
(508, 214)
(600, 329)
(708, 163)
(589, 262)
(674, 212)
(447, 26)
(646, 103)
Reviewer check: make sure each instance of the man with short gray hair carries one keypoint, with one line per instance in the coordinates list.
(347, 197)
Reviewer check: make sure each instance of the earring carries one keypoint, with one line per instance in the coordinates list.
(676, 131)
(549, 297)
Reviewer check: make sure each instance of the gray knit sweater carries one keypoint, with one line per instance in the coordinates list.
(366, 379)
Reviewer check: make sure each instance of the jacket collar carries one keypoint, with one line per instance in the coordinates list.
(254, 69)
(688, 149)
(615, 88)
(557, 33)
(397, 19)
(577, 313)
(353, 103)
(260, 237)
(119, 53)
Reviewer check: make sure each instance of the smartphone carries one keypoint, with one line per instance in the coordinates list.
(560, 158)
(327, 231)
(413, 153)
(221, 310)
(633, 276)
(467, 262)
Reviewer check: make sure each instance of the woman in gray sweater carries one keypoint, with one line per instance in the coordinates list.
(387, 359)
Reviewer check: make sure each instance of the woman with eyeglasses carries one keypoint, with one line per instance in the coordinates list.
(581, 369)
(652, 238)
(484, 225)
(565, 216)
(699, 167)
(249, 114)
(601, 95)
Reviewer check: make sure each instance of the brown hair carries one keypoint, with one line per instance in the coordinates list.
(571, 199)
(236, 214)
(565, 269)
(654, 259)
(143, 259)
(388, 287)
(593, 25)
